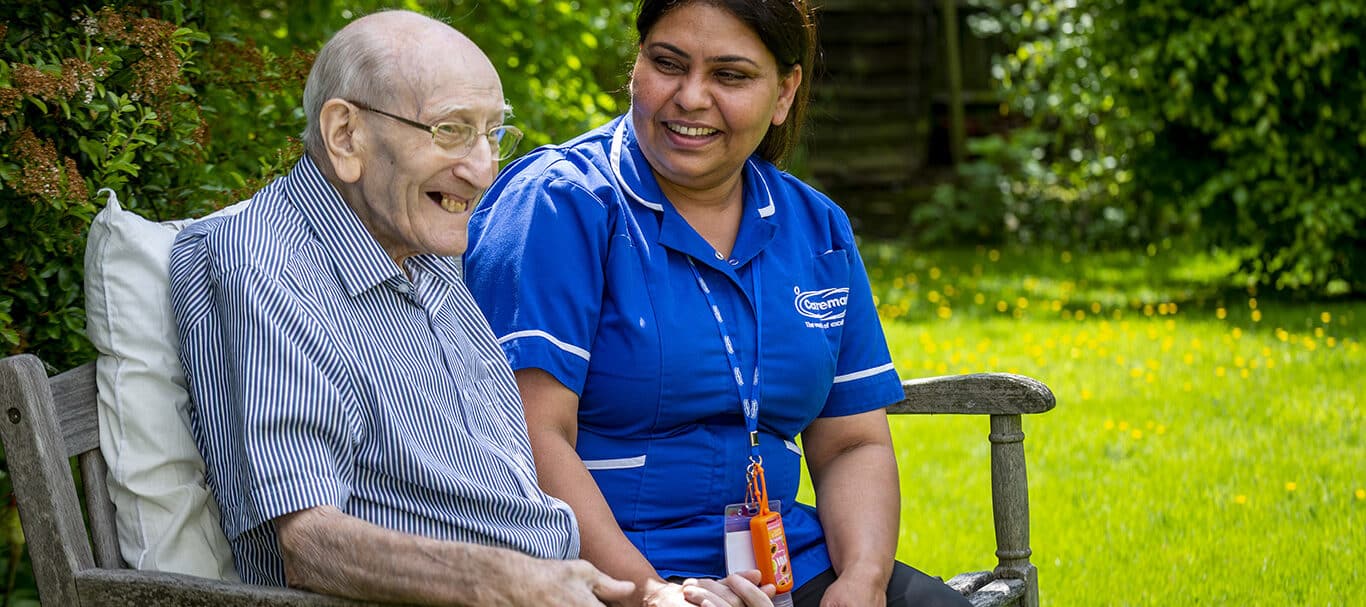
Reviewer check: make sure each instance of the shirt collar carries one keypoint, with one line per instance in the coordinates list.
(356, 257)
(632, 172)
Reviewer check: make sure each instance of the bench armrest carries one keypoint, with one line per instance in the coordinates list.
(132, 588)
(976, 393)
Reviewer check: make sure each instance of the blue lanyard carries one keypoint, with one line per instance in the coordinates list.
(749, 405)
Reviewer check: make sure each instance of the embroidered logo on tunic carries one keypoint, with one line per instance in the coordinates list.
(825, 306)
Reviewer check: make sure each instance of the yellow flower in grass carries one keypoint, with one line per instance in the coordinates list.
(1240, 499)
(1361, 493)
(1221, 313)
(1256, 316)
(1290, 486)
(1326, 317)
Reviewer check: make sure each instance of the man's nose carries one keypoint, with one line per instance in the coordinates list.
(480, 165)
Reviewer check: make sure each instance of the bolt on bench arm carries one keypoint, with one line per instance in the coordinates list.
(1004, 397)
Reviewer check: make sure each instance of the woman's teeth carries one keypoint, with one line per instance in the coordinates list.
(453, 205)
(691, 131)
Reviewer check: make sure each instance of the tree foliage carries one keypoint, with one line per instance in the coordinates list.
(1239, 122)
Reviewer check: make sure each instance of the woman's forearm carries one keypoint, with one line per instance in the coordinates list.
(858, 499)
(859, 504)
(552, 424)
(602, 542)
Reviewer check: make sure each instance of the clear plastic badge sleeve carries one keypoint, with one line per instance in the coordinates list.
(739, 542)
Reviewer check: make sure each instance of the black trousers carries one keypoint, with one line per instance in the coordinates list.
(907, 588)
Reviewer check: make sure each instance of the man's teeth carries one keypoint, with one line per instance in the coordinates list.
(453, 205)
(691, 131)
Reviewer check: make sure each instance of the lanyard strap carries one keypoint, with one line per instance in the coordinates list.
(749, 404)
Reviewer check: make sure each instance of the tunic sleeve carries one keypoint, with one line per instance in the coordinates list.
(865, 378)
(535, 266)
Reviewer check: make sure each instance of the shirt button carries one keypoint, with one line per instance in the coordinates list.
(720, 256)
(734, 262)
(402, 287)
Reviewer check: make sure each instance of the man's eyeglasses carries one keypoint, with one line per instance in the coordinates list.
(459, 138)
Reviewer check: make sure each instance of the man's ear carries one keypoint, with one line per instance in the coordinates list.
(343, 138)
(787, 92)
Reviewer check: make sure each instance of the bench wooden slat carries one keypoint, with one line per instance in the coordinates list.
(71, 391)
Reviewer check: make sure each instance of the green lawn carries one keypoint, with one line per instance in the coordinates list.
(1207, 447)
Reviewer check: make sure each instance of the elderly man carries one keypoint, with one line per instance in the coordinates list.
(361, 428)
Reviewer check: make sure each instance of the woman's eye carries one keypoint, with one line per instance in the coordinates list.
(668, 64)
(732, 76)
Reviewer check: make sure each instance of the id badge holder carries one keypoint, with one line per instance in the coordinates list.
(755, 538)
(739, 540)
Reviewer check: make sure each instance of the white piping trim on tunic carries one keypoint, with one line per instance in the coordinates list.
(620, 463)
(570, 348)
(614, 159)
(864, 373)
(767, 210)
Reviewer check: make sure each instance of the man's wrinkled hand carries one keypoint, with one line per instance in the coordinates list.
(576, 583)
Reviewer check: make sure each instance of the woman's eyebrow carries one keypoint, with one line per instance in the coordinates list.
(716, 59)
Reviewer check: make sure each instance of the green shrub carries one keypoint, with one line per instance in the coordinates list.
(1238, 122)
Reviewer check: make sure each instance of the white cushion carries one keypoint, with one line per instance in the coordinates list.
(166, 518)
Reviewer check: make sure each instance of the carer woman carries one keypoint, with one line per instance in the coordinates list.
(663, 290)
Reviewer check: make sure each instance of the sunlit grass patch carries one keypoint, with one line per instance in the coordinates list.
(1208, 440)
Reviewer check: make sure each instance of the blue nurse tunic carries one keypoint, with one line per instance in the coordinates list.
(582, 267)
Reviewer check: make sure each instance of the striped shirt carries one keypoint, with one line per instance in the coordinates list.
(321, 374)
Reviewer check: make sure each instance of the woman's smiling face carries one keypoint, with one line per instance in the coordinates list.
(704, 92)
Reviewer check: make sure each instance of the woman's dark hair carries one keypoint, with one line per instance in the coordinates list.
(785, 27)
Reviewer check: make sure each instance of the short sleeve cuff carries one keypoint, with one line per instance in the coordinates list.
(290, 495)
(862, 392)
(540, 350)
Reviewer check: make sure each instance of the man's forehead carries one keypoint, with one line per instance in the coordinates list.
(467, 107)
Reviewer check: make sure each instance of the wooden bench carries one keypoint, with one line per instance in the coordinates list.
(48, 421)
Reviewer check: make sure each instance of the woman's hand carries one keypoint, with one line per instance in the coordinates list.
(736, 590)
(853, 591)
